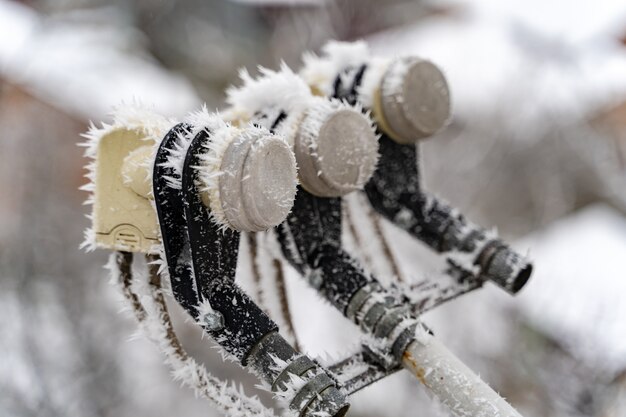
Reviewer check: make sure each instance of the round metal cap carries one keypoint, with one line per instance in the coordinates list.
(336, 150)
(415, 99)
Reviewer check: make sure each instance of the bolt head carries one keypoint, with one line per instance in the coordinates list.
(214, 321)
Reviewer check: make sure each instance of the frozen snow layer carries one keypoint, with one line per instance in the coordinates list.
(574, 20)
(576, 294)
(84, 64)
(514, 57)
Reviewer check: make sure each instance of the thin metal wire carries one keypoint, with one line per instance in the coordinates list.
(355, 235)
(395, 267)
(202, 380)
(283, 298)
(256, 274)
(281, 288)
(387, 252)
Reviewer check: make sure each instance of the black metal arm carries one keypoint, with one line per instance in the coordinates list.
(395, 192)
(191, 238)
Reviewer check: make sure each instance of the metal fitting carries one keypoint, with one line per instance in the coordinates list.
(320, 392)
(213, 321)
(505, 267)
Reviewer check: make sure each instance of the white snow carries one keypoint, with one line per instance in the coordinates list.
(267, 90)
(85, 67)
(282, 2)
(576, 293)
(490, 49)
(575, 21)
(320, 71)
(262, 99)
(266, 292)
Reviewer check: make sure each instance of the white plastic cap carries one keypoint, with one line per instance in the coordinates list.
(415, 99)
(336, 149)
(258, 184)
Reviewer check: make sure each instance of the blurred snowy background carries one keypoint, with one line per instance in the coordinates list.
(536, 148)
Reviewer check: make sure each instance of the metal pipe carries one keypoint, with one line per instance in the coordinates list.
(454, 384)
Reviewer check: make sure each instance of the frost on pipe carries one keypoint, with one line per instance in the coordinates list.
(334, 143)
(409, 99)
(457, 387)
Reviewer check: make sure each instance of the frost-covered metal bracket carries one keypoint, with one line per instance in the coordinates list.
(334, 158)
(336, 151)
(207, 180)
(394, 337)
(310, 239)
(409, 100)
(202, 262)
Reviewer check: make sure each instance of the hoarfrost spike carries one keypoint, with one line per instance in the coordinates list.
(123, 218)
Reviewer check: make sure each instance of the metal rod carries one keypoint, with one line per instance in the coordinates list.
(454, 384)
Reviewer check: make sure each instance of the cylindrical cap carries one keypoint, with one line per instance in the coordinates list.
(415, 99)
(336, 149)
(258, 184)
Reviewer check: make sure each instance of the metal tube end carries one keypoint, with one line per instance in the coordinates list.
(507, 269)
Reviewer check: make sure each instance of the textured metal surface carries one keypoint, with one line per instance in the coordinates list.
(310, 390)
(213, 255)
(330, 401)
(263, 357)
(357, 301)
(171, 214)
(298, 367)
(313, 230)
(337, 276)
